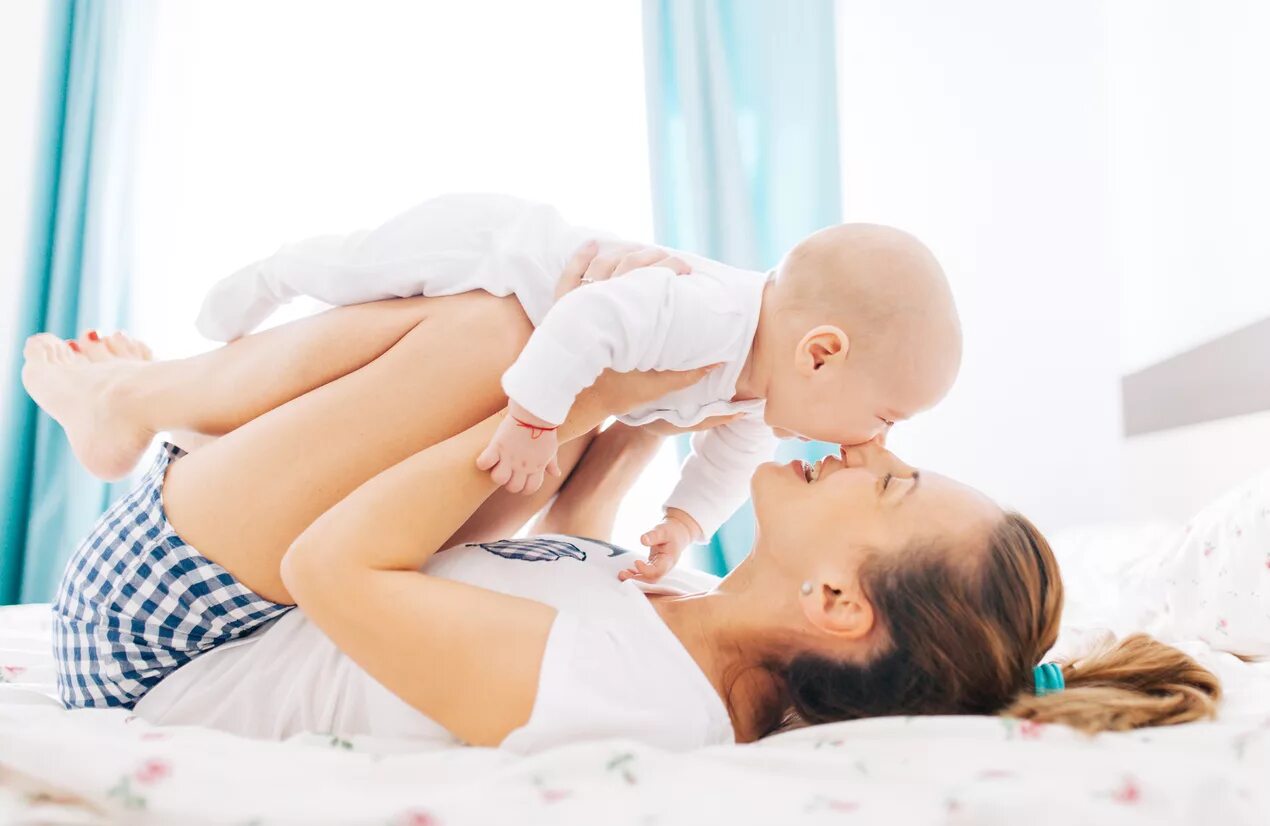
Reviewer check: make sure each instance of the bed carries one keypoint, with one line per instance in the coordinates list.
(89, 767)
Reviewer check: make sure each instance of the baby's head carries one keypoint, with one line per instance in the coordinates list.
(860, 331)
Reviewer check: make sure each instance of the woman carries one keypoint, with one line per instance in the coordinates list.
(349, 461)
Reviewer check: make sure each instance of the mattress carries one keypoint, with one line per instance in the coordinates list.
(107, 766)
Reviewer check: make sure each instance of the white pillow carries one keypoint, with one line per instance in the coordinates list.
(1216, 579)
(1109, 573)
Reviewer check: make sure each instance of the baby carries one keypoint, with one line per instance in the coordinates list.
(855, 330)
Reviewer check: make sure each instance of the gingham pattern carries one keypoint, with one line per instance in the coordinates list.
(136, 602)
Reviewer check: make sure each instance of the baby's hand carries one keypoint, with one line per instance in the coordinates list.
(665, 543)
(522, 449)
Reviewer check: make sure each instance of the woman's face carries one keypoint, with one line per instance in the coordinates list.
(822, 519)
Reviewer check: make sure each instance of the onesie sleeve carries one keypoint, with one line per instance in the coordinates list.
(715, 477)
(620, 324)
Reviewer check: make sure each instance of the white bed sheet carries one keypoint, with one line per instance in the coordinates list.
(898, 770)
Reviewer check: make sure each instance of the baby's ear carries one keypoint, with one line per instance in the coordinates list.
(821, 345)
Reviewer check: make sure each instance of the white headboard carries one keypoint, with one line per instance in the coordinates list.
(1197, 424)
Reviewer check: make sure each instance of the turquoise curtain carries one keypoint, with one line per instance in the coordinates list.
(743, 138)
(76, 275)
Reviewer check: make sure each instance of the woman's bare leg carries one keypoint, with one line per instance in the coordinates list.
(225, 388)
(243, 500)
(112, 400)
(197, 399)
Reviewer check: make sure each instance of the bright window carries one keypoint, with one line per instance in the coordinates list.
(273, 121)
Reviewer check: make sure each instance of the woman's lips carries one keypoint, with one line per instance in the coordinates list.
(805, 470)
(798, 466)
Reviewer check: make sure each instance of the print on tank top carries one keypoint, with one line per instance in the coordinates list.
(533, 550)
(542, 549)
(615, 549)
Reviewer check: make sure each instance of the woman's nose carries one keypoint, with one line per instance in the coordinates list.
(873, 445)
(864, 453)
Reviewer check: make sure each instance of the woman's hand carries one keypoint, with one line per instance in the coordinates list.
(661, 427)
(595, 262)
(614, 393)
(588, 501)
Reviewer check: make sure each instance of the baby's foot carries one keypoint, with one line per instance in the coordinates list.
(81, 385)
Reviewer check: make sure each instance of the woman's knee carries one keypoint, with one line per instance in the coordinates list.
(496, 325)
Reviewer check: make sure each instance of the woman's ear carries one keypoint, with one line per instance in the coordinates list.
(842, 609)
(821, 345)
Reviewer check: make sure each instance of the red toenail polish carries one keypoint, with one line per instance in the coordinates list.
(74, 346)
(92, 336)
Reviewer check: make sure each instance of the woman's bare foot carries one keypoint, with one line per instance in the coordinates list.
(83, 384)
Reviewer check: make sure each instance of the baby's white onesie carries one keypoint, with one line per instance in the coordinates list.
(651, 319)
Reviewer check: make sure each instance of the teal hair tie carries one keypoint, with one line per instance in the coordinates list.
(1047, 678)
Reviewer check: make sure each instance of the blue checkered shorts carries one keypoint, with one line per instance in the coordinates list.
(137, 602)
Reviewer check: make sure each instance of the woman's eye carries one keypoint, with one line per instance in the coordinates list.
(886, 480)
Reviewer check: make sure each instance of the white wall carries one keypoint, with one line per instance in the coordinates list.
(22, 37)
(981, 126)
(1190, 136)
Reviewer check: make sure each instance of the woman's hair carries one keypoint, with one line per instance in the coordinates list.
(962, 637)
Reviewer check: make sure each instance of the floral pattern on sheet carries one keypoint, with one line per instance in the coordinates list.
(131, 789)
(625, 765)
(967, 768)
(950, 769)
(11, 673)
(1216, 580)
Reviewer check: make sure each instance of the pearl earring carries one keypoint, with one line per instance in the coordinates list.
(806, 589)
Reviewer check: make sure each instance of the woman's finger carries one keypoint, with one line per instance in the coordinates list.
(691, 377)
(670, 380)
(661, 427)
(639, 258)
(571, 276)
(622, 392)
(601, 267)
(715, 421)
(680, 266)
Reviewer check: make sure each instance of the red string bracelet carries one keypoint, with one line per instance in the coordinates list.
(534, 430)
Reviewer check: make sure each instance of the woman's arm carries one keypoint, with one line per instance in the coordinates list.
(467, 657)
(587, 503)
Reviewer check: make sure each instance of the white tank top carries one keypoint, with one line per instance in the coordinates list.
(611, 667)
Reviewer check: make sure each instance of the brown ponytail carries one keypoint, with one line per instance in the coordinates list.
(963, 639)
(1136, 682)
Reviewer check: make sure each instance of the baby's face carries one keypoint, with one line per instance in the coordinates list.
(844, 412)
(849, 403)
